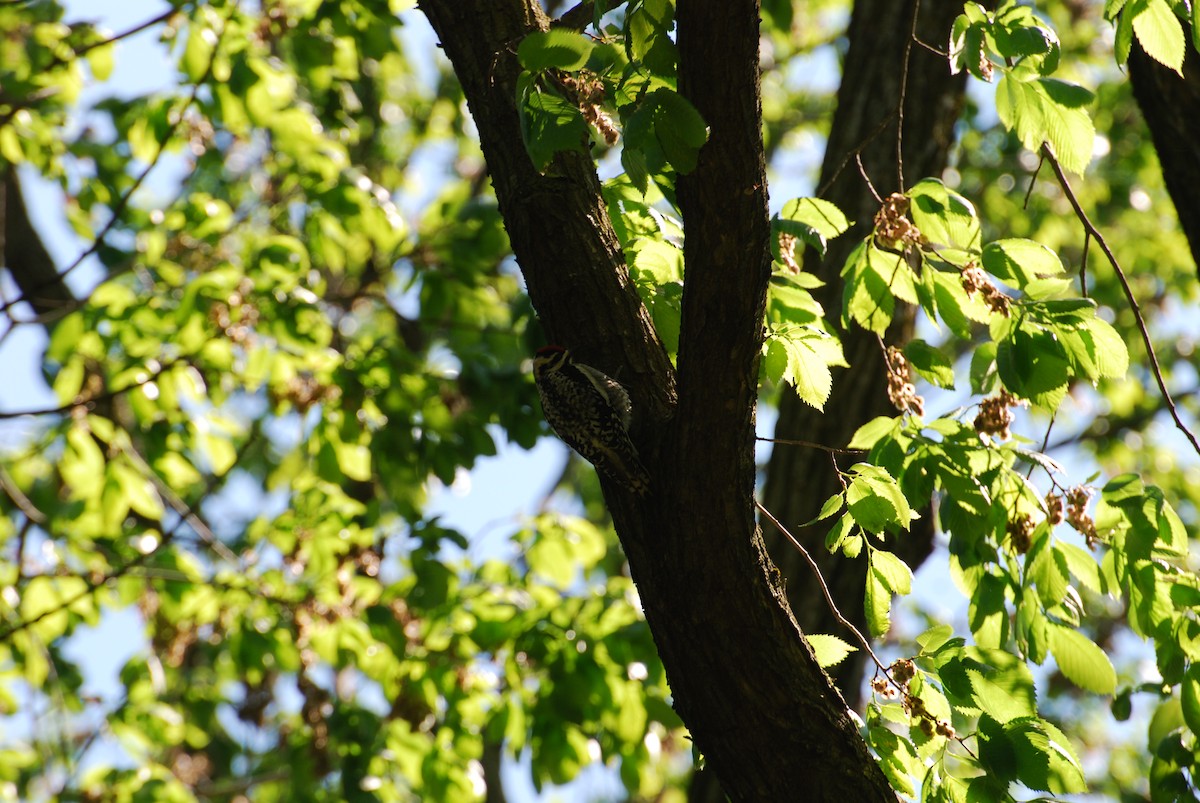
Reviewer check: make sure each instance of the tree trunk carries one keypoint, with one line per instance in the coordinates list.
(1171, 105)
(760, 709)
(800, 479)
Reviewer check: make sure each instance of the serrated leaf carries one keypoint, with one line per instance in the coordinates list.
(1160, 33)
(870, 433)
(1111, 355)
(832, 505)
(877, 604)
(876, 500)
(679, 128)
(557, 48)
(930, 363)
(1017, 262)
(818, 214)
(892, 571)
(996, 701)
(943, 216)
(829, 650)
(1083, 663)
(1048, 110)
(550, 124)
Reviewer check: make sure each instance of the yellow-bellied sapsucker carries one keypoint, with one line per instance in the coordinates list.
(591, 412)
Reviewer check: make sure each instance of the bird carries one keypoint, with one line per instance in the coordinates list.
(591, 412)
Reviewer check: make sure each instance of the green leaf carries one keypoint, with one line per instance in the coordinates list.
(1044, 758)
(875, 499)
(829, 650)
(201, 43)
(894, 572)
(1189, 697)
(868, 297)
(983, 369)
(832, 505)
(944, 217)
(840, 533)
(549, 124)
(648, 39)
(930, 363)
(1018, 262)
(1083, 663)
(1159, 32)
(101, 61)
(557, 48)
(809, 352)
(877, 605)
(1110, 353)
(934, 638)
(870, 433)
(679, 129)
(820, 217)
(996, 701)
(1048, 110)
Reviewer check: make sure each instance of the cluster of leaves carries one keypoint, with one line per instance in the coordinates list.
(281, 331)
(252, 404)
(1028, 588)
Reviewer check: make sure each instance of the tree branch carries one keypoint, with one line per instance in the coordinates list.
(1095, 233)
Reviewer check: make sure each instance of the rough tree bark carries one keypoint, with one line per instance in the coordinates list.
(799, 480)
(757, 705)
(1170, 103)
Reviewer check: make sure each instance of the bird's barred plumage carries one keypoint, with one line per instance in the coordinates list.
(591, 412)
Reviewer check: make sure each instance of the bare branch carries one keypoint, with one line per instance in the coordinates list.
(1091, 230)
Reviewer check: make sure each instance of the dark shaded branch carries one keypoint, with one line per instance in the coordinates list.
(742, 678)
(557, 223)
(1096, 235)
(25, 255)
(1170, 103)
(882, 71)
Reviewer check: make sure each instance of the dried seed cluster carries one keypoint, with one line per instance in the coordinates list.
(901, 391)
(1077, 515)
(995, 417)
(901, 673)
(787, 251)
(975, 280)
(1020, 534)
(587, 91)
(1054, 508)
(891, 223)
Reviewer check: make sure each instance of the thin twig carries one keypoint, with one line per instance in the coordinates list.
(1045, 444)
(91, 401)
(912, 36)
(136, 29)
(810, 445)
(862, 171)
(188, 513)
(1091, 229)
(932, 48)
(837, 614)
(833, 608)
(1033, 182)
(855, 154)
(19, 498)
(1087, 241)
(122, 203)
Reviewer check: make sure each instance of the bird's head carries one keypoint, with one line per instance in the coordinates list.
(550, 358)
